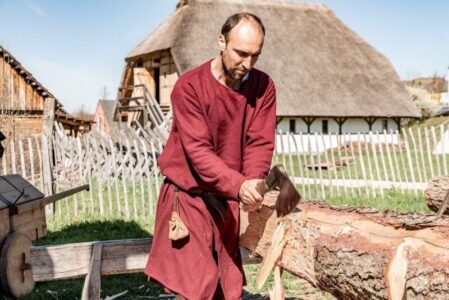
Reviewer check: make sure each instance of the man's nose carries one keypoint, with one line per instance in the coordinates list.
(247, 62)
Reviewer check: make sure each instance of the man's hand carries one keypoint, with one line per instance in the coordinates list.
(248, 193)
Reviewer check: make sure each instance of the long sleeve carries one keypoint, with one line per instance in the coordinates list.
(196, 141)
(258, 152)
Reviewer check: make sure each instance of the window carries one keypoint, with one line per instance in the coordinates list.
(385, 125)
(325, 126)
(292, 125)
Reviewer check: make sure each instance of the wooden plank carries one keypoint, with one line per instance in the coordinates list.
(133, 178)
(409, 159)
(343, 177)
(418, 167)
(370, 168)
(49, 119)
(304, 155)
(348, 140)
(149, 183)
(422, 155)
(13, 157)
(155, 168)
(429, 153)
(92, 283)
(22, 160)
(396, 160)
(443, 141)
(351, 145)
(390, 161)
(73, 260)
(334, 163)
(31, 156)
(376, 161)
(116, 176)
(362, 162)
(435, 141)
(326, 157)
(320, 170)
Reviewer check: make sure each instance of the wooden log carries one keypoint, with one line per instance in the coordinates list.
(436, 192)
(359, 253)
(68, 261)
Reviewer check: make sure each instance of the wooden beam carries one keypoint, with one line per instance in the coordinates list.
(359, 253)
(118, 257)
(92, 283)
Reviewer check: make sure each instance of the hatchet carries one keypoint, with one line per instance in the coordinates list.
(288, 197)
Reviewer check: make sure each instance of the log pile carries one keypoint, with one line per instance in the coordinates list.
(435, 193)
(359, 253)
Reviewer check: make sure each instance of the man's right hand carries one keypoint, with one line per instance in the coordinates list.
(248, 193)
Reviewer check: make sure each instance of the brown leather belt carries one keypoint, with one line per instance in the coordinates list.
(215, 202)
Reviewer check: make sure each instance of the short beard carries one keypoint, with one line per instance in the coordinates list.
(228, 72)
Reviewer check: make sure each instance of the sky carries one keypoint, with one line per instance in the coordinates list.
(76, 49)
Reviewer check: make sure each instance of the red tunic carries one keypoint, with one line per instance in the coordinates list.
(220, 137)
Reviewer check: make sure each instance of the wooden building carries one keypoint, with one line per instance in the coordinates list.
(103, 117)
(328, 78)
(22, 100)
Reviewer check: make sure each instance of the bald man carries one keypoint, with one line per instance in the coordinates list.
(220, 145)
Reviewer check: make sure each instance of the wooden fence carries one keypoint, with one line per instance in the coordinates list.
(357, 165)
(125, 180)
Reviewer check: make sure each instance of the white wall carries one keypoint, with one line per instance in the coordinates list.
(316, 143)
(352, 125)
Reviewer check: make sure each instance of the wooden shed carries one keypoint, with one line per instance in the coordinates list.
(22, 100)
(328, 78)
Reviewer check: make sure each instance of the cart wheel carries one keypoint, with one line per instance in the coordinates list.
(15, 265)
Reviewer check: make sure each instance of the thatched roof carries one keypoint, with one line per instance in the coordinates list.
(320, 66)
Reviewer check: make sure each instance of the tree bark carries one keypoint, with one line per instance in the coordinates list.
(359, 253)
(435, 193)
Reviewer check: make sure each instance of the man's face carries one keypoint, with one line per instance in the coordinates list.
(241, 51)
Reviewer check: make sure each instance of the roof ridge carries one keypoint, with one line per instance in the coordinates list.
(283, 3)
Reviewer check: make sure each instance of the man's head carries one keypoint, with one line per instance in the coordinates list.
(241, 41)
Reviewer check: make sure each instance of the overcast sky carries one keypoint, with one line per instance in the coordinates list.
(76, 48)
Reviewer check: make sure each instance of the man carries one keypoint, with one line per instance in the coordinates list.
(222, 142)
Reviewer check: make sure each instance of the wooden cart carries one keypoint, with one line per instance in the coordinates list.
(22, 220)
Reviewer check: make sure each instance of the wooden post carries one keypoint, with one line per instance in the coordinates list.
(334, 166)
(304, 155)
(443, 148)
(376, 162)
(429, 153)
(416, 154)
(320, 169)
(326, 157)
(355, 167)
(410, 163)
(348, 164)
(370, 168)
(404, 168)
(148, 173)
(382, 156)
(155, 169)
(435, 141)
(141, 166)
(47, 149)
(362, 161)
(92, 283)
(299, 164)
(343, 177)
(422, 155)
(387, 148)
(115, 160)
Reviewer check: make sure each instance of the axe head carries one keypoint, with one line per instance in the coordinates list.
(288, 197)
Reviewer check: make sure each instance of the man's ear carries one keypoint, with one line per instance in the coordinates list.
(221, 42)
